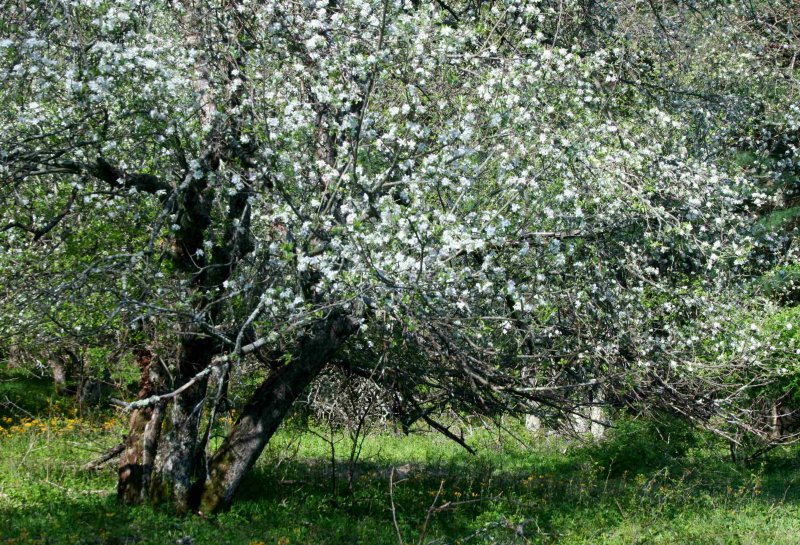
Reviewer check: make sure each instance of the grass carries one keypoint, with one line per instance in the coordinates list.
(639, 486)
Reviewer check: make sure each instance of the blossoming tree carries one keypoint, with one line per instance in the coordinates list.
(476, 204)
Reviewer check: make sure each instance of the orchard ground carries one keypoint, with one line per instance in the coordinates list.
(646, 483)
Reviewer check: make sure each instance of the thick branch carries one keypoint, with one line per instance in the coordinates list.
(116, 177)
(269, 405)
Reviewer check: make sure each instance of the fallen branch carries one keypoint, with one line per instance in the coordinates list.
(450, 435)
(106, 457)
(394, 510)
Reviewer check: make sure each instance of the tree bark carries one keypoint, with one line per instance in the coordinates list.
(59, 368)
(144, 427)
(265, 411)
(63, 364)
(175, 458)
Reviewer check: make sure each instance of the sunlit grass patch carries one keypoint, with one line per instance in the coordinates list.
(548, 491)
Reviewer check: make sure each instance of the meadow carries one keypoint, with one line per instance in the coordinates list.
(648, 483)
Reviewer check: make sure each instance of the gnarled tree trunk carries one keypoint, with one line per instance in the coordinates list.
(160, 460)
(144, 428)
(176, 455)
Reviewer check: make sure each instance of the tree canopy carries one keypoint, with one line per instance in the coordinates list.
(491, 206)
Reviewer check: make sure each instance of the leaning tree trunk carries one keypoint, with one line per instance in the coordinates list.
(266, 410)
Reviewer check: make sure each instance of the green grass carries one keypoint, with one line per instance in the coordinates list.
(639, 486)
(23, 393)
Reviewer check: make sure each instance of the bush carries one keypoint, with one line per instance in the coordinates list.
(636, 444)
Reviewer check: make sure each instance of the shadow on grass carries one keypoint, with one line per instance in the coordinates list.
(613, 492)
(577, 493)
(22, 394)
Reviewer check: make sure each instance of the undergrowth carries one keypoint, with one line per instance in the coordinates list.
(647, 483)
